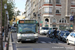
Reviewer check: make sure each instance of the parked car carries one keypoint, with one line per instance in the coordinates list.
(44, 30)
(71, 38)
(65, 36)
(70, 30)
(13, 29)
(60, 35)
(50, 34)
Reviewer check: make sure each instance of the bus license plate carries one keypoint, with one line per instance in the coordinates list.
(29, 35)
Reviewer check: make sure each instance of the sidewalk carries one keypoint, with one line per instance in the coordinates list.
(7, 42)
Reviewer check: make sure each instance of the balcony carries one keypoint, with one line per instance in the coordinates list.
(47, 13)
(47, 4)
(72, 5)
(58, 14)
(67, 16)
(58, 4)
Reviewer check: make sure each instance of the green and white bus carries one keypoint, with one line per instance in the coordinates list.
(27, 30)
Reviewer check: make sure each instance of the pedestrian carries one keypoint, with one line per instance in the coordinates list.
(2, 30)
(55, 36)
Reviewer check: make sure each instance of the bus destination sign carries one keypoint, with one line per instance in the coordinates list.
(27, 21)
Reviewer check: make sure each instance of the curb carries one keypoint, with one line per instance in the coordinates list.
(10, 44)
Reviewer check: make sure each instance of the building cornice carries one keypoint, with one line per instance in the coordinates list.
(58, 6)
(48, 15)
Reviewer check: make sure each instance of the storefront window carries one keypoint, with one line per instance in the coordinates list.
(62, 27)
(54, 26)
(62, 20)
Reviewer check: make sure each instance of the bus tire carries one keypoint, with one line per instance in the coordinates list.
(34, 41)
(22, 41)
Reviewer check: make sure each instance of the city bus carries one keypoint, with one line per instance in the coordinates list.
(27, 30)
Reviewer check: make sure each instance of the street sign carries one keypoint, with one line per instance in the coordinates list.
(41, 21)
(71, 18)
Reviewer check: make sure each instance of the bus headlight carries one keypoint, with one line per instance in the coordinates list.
(19, 36)
(35, 34)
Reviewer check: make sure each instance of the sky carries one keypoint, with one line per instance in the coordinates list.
(20, 4)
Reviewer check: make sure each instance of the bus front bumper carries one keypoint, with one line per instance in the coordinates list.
(28, 39)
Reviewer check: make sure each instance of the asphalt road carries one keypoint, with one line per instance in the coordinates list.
(43, 43)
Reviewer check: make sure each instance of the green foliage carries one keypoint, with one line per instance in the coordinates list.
(10, 9)
(18, 12)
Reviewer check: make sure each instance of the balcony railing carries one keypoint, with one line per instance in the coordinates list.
(58, 13)
(47, 12)
(47, 2)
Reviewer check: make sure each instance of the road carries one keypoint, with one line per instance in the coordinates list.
(43, 43)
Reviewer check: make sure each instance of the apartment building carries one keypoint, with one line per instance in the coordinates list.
(56, 13)
(32, 9)
(28, 9)
(53, 13)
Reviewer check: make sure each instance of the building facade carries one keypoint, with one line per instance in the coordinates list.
(53, 13)
(28, 9)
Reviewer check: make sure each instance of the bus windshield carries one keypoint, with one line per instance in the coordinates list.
(26, 28)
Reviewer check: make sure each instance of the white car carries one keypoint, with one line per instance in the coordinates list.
(71, 38)
(44, 30)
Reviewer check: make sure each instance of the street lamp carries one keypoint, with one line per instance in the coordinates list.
(7, 20)
(5, 7)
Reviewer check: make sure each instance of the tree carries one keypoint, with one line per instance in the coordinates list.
(18, 12)
(10, 9)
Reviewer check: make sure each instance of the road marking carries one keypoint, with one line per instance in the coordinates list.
(43, 42)
(17, 42)
(49, 42)
(37, 42)
(13, 42)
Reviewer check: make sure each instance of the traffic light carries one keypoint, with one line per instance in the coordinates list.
(13, 19)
